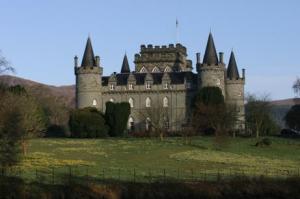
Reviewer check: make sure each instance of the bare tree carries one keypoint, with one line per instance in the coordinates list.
(5, 66)
(156, 119)
(296, 86)
(257, 112)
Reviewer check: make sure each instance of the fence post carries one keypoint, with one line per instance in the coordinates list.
(164, 175)
(103, 174)
(70, 174)
(178, 173)
(134, 175)
(52, 175)
(150, 176)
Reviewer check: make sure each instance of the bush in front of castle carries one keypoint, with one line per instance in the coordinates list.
(87, 123)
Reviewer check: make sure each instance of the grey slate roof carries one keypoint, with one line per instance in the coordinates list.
(175, 77)
(232, 70)
(210, 56)
(88, 56)
(125, 65)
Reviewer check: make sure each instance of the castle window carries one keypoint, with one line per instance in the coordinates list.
(94, 102)
(131, 124)
(130, 101)
(165, 102)
(148, 85)
(130, 86)
(166, 86)
(155, 70)
(112, 87)
(148, 102)
(188, 85)
(148, 124)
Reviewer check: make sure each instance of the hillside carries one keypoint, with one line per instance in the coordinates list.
(65, 93)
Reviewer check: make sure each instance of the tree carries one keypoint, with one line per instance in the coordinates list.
(296, 86)
(258, 118)
(10, 131)
(211, 112)
(292, 118)
(87, 123)
(156, 119)
(116, 115)
(5, 65)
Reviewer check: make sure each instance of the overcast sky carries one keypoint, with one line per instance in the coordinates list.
(40, 38)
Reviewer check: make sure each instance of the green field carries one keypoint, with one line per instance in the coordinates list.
(151, 157)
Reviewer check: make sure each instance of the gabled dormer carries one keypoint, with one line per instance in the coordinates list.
(166, 81)
(131, 81)
(112, 82)
(148, 81)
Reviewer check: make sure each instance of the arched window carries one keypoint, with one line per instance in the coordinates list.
(131, 124)
(131, 102)
(155, 70)
(94, 102)
(112, 99)
(165, 102)
(148, 124)
(148, 102)
(143, 70)
(167, 69)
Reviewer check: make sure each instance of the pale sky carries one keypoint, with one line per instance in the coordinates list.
(40, 38)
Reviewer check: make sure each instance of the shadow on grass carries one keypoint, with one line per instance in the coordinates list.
(87, 187)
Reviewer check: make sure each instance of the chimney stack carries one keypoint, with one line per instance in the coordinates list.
(97, 61)
(75, 61)
(221, 56)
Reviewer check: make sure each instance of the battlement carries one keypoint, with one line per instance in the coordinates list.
(88, 70)
(164, 48)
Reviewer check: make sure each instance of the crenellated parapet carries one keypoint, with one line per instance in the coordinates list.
(172, 56)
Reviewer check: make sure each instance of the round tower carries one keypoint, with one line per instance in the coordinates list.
(88, 79)
(235, 91)
(212, 70)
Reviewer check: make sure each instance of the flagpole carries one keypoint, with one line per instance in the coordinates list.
(176, 31)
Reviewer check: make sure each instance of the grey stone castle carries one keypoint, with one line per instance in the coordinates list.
(163, 81)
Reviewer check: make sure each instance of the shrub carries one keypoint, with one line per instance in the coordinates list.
(87, 123)
(264, 142)
(116, 116)
(55, 130)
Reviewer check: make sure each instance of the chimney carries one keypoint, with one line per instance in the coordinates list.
(75, 61)
(97, 61)
(198, 58)
(221, 56)
(243, 73)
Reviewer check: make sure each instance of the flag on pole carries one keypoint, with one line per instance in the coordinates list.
(176, 23)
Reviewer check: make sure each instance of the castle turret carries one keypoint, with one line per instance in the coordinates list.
(235, 91)
(125, 65)
(88, 79)
(212, 71)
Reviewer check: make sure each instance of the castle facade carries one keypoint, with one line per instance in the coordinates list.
(162, 85)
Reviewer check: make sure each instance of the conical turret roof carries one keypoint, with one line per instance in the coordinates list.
(125, 65)
(232, 70)
(210, 56)
(88, 56)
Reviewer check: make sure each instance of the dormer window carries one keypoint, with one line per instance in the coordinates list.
(112, 87)
(188, 85)
(166, 86)
(130, 86)
(155, 70)
(148, 85)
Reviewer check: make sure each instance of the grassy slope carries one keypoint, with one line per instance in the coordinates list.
(172, 154)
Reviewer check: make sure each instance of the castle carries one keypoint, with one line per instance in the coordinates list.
(163, 80)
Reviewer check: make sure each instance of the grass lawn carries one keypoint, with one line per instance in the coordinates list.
(119, 156)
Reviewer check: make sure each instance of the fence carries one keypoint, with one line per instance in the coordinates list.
(59, 175)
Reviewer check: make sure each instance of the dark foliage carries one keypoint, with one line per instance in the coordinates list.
(292, 118)
(209, 96)
(116, 116)
(56, 131)
(87, 123)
